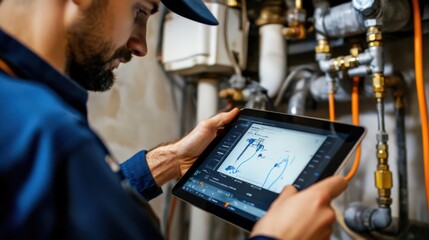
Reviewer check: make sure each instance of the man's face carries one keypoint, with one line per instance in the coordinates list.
(108, 33)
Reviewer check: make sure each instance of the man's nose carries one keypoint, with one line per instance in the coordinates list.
(137, 46)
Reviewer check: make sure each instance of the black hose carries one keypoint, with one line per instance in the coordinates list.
(402, 166)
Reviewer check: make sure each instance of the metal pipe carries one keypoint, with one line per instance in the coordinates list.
(296, 103)
(357, 216)
(339, 21)
(360, 71)
(380, 114)
(348, 19)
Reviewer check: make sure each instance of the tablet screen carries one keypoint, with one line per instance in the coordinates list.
(248, 167)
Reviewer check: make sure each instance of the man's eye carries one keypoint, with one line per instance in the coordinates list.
(139, 11)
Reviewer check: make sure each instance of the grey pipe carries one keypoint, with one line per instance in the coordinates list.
(380, 117)
(360, 218)
(348, 19)
(296, 103)
(319, 90)
(360, 71)
(340, 21)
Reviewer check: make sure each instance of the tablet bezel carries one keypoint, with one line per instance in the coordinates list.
(356, 134)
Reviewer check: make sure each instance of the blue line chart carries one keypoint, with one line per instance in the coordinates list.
(285, 162)
(251, 141)
(270, 157)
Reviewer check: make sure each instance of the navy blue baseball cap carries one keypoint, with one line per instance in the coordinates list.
(193, 9)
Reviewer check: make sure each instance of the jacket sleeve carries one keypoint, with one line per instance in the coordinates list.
(137, 172)
(262, 238)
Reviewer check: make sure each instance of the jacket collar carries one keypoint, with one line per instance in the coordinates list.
(29, 66)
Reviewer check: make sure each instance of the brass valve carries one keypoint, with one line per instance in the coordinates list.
(234, 94)
(296, 32)
(296, 23)
(382, 153)
(271, 13)
(378, 85)
(346, 62)
(383, 176)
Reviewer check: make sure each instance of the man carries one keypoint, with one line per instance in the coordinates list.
(54, 178)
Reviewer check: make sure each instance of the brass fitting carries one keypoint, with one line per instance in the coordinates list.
(231, 93)
(355, 50)
(344, 62)
(382, 153)
(383, 176)
(398, 87)
(272, 12)
(375, 44)
(378, 85)
(296, 23)
(323, 46)
(298, 32)
(374, 36)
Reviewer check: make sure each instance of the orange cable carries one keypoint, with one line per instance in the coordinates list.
(355, 116)
(331, 106)
(421, 95)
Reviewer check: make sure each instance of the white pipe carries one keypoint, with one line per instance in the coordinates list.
(207, 105)
(272, 59)
(207, 98)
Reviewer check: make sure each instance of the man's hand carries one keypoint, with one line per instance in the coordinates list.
(173, 160)
(304, 215)
(193, 144)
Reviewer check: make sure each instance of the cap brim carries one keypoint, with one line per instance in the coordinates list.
(195, 10)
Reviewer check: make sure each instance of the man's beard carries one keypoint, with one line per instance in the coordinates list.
(92, 72)
(88, 62)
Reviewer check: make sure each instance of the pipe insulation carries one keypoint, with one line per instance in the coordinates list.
(272, 60)
(348, 19)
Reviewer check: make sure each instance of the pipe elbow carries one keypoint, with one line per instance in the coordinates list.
(360, 218)
(381, 218)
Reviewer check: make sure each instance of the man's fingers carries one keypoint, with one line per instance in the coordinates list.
(223, 118)
(287, 192)
(333, 185)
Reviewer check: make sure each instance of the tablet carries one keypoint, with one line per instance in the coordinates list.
(248, 164)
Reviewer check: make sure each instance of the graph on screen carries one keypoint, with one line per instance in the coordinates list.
(271, 157)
